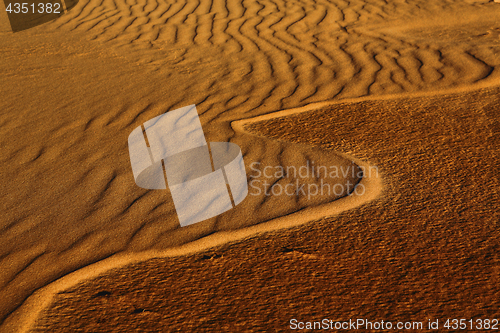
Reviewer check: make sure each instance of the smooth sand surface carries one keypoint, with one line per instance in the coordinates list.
(419, 243)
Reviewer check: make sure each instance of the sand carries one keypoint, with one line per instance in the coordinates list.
(407, 87)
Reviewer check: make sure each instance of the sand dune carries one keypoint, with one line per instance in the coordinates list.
(331, 49)
(426, 249)
(73, 89)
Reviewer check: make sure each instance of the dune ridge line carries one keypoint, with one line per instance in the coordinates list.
(25, 316)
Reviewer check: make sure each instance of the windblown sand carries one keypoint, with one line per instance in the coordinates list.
(421, 243)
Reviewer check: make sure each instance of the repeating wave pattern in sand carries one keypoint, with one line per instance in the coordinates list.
(68, 199)
(302, 51)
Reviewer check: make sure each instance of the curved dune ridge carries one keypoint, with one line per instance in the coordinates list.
(25, 317)
(75, 88)
(427, 248)
(80, 293)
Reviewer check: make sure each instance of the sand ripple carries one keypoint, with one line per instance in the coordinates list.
(73, 90)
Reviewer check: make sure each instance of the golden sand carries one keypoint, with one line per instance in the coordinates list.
(405, 86)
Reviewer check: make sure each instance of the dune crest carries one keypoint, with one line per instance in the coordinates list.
(309, 209)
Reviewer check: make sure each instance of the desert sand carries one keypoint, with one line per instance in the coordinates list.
(409, 88)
